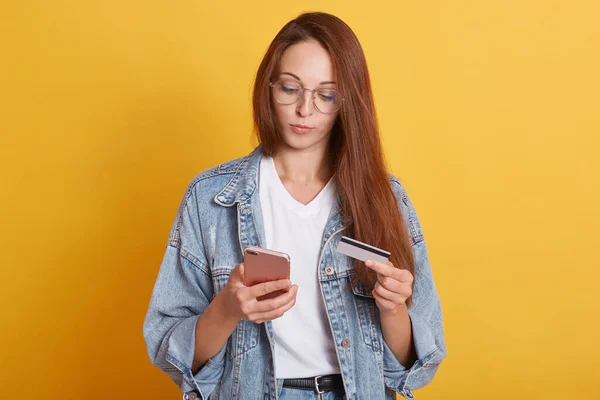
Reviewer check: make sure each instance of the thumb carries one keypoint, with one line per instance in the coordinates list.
(237, 273)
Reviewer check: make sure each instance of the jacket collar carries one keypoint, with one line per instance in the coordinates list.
(242, 186)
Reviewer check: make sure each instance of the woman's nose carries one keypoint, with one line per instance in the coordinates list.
(305, 104)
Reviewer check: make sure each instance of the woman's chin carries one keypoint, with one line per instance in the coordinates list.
(304, 141)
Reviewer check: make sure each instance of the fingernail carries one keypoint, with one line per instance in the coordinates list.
(369, 263)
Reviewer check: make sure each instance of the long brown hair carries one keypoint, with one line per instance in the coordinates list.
(371, 211)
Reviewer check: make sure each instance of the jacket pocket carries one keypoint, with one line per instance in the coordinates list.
(368, 318)
(245, 336)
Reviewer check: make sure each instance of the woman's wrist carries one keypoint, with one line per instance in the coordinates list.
(223, 311)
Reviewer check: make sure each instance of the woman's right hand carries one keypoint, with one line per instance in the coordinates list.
(241, 300)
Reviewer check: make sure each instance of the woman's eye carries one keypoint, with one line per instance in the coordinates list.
(327, 96)
(289, 89)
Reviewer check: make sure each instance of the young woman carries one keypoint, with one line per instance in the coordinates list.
(342, 328)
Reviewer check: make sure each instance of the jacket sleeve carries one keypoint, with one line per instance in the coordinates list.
(425, 314)
(182, 291)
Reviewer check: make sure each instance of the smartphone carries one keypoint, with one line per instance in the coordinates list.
(262, 265)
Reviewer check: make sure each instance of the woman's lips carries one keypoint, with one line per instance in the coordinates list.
(301, 128)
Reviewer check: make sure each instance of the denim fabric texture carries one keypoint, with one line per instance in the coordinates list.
(219, 215)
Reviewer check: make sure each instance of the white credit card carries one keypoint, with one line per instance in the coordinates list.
(362, 251)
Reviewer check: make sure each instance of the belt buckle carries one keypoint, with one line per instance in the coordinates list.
(317, 389)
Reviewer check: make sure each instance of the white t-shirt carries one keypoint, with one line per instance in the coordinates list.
(304, 345)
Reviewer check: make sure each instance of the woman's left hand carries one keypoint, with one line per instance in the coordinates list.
(393, 286)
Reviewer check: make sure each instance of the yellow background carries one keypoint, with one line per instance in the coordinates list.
(489, 115)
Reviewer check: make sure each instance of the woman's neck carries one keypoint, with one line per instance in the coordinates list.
(303, 167)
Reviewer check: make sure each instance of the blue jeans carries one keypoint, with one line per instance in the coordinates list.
(302, 394)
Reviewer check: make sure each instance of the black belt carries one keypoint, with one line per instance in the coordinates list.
(319, 384)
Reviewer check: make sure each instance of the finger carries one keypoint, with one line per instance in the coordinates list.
(264, 288)
(401, 275)
(384, 294)
(405, 276)
(274, 303)
(274, 314)
(382, 269)
(390, 284)
(384, 304)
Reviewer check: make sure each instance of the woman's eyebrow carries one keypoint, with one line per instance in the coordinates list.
(296, 77)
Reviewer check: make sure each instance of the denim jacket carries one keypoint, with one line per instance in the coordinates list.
(219, 215)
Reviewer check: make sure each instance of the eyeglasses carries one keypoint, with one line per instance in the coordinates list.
(325, 100)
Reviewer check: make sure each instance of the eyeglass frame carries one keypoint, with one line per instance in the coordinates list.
(272, 85)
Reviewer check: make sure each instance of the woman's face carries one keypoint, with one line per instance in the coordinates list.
(302, 126)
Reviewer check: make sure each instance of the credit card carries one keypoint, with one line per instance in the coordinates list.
(362, 251)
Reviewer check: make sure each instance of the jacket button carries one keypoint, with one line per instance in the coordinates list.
(329, 270)
(193, 396)
(346, 343)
